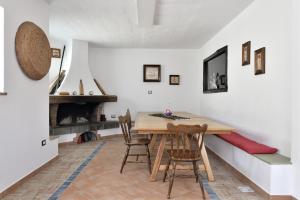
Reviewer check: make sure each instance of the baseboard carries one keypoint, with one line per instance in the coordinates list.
(21, 181)
(65, 143)
(251, 183)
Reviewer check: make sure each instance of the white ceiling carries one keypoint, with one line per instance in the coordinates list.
(121, 23)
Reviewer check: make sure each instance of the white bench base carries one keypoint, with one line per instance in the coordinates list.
(273, 179)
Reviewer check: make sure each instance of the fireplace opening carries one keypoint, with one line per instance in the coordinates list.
(76, 113)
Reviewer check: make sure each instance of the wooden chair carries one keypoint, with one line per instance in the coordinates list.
(133, 132)
(186, 145)
(130, 122)
(125, 124)
(128, 115)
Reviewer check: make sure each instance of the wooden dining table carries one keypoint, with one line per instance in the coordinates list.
(145, 123)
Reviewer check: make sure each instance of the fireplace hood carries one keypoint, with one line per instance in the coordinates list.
(79, 70)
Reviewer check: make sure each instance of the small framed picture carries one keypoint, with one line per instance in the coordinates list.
(152, 73)
(174, 79)
(55, 53)
(246, 53)
(260, 61)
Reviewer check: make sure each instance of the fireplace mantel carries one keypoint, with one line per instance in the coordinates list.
(58, 99)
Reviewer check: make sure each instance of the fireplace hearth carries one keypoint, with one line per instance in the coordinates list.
(86, 137)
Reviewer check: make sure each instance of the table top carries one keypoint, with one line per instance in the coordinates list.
(145, 123)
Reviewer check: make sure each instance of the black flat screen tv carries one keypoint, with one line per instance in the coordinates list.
(215, 72)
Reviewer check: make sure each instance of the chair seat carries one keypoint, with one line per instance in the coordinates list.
(140, 141)
(181, 155)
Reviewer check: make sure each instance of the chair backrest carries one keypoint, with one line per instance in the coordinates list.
(187, 139)
(129, 119)
(124, 123)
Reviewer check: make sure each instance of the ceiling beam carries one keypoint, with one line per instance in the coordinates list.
(145, 12)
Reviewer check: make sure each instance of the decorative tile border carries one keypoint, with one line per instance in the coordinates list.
(71, 178)
(211, 193)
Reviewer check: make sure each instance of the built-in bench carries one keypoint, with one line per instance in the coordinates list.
(246, 144)
(270, 172)
(274, 159)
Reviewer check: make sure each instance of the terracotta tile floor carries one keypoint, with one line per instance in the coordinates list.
(42, 185)
(101, 179)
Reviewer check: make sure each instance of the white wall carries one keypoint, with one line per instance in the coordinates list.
(120, 72)
(1, 49)
(259, 106)
(24, 112)
(296, 96)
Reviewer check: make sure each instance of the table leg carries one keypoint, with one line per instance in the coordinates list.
(206, 163)
(158, 158)
(153, 142)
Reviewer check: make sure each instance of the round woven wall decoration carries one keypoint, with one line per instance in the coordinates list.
(33, 50)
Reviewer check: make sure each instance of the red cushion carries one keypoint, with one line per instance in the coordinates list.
(246, 144)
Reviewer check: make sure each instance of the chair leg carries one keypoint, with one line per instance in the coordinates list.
(149, 159)
(200, 180)
(167, 169)
(202, 189)
(125, 159)
(196, 170)
(171, 179)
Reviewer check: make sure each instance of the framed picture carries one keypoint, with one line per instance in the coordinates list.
(246, 53)
(174, 79)
(260, 61)
(55, 53)
(215, 72)
(152, 73)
